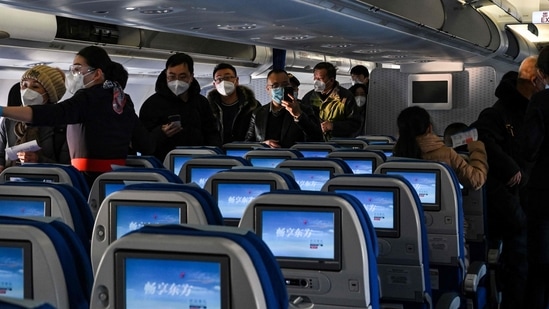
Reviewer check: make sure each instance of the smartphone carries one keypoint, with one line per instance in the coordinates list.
(175, 119)
(288, 91)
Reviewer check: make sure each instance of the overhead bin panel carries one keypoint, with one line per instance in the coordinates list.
(26, 25)
(414, 10)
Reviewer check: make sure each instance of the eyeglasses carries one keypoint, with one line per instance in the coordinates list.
(224, 78)
(276, 85)
(76, 69)
(182, 78)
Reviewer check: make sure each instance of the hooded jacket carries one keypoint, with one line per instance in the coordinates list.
(472, 174)
(197, 120)
(499, 127)
(247, 105)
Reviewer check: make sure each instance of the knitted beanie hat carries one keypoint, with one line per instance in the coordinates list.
(52, 79)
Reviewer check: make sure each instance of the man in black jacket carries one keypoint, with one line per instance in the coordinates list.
(231, 103)
(283, 122)
(177, 114)
(499, 127)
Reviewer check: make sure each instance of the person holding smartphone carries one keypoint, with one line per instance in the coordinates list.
(284, 121)
(177, 114)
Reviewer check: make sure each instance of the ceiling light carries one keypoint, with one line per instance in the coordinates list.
(294, 37)
(337, 46)
(238, 27)
(155, 11)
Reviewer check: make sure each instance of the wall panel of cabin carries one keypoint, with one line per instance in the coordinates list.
(473, 90)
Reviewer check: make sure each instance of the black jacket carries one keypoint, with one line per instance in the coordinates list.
(197, 120)
(247, 105)
(95, 130)
(499, 128)
(307, 129)
(536, 139)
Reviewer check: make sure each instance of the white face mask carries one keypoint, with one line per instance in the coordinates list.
(360, 100)
(75, 82)
(319, 85)
(225, 88)
(178, 87)
(30, 97)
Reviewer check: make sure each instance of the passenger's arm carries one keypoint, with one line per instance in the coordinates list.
(348, 126)
(251, 135)
(309, 123)
(21, 113)
(474, 173)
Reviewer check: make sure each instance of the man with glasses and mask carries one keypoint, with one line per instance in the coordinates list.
(231, 103)
(284, 121)
(334, 105)
(177, 114)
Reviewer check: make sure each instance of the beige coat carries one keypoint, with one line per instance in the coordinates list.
(471, 174)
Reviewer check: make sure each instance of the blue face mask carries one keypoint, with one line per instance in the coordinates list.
(277, 94)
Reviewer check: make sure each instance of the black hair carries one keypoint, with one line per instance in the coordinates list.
(293, 80)
(97, 58)
(360, 70)
(223, 66)
(14, 96)
(180, 58)
(451, 129)
(543, 60)
(276, 71)
(330, 69)
(356, 86)
(412, 122)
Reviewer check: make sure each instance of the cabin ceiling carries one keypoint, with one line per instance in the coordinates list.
(378, 31)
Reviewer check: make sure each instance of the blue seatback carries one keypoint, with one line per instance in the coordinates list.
(359, 248)
(255, 278)
(144, 161)
(445, 226)
(59, 248)
(240, 182)
(81, 218)
(66, 173)
(129, 175)
(200, 209)
(403, 260)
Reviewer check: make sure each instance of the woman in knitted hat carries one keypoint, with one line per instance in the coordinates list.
(39, 85)
(100, 118)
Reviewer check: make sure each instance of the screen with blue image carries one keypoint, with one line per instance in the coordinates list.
(299, 234)
(265, 161)
(360, 166)
(233, 198)
(172, 280)
(15, 269)
(380, 205)
(311, 179)
(31, 177)
(237, 152)
(200, 174)
(314, 153)
(127, 216)
(111, 187)
(178, 161)
(26, 206)
(425, 183)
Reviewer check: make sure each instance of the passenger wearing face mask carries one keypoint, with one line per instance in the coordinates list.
(231, 103)
(360, 91)
(360, 75)
(178, 95)
(100, 117)
(39, 85)
(334, 105)
(283, 122)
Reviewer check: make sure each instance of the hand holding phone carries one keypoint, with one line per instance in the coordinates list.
(288, 91)
(175, 119)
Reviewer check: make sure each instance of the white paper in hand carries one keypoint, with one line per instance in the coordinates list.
(465, 137)
(28, 146)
